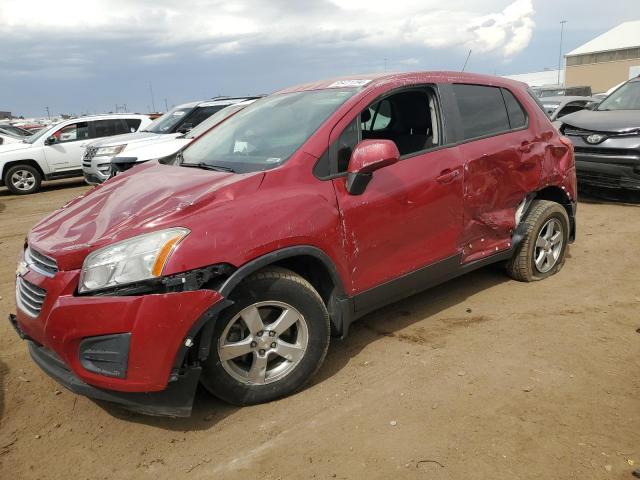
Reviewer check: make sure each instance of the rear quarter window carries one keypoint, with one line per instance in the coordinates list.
(482, 110)
(133, 124)
(517, 115)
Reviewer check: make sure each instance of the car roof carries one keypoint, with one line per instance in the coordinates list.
(106, 116)
(217, 101)
(400, 79)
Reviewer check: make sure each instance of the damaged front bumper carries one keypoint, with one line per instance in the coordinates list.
(134, 350)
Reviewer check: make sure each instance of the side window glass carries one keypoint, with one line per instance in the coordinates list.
(482, 110)
(340, 151)
(133, 124)
(105, 128)
(408, 118)
(517, 115)
(200, 114)
(377, 117)
(72, 133)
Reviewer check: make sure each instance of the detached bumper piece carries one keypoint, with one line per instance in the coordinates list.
(175, 401)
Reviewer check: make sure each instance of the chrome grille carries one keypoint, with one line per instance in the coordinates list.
(40, 263)
(577, 132)
(89, 153)
(29, 297)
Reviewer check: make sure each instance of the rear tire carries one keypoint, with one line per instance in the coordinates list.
(270, 342)
(22, 179)
(542, 251)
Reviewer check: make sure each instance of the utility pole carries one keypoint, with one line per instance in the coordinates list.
(48, 113)
(153, 101)
(466, 60)
(560, 54)
(166, 106)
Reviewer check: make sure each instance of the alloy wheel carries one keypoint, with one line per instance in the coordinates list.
(263, 343)
(23, 180)
(548, 245)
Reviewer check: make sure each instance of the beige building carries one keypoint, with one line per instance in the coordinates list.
(607, 60)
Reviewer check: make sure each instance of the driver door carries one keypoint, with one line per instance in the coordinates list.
(66, 153)
(410, 215)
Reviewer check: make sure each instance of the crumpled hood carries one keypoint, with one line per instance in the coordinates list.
(14, 147)
(146, 198)
(131, 138)
(619, 121)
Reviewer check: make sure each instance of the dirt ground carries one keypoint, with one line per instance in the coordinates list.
(480, 378)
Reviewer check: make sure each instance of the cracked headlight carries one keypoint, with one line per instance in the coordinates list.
(109, 151)
(129, 261)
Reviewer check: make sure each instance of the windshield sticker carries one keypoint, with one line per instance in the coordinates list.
(349, 83)
(179, 113)
(272, 160)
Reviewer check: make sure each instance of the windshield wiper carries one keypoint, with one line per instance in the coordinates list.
(207, 166)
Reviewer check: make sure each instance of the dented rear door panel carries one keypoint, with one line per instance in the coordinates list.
(499, 173)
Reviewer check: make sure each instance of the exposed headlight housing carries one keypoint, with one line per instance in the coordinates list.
(110, 151)
(129, 261)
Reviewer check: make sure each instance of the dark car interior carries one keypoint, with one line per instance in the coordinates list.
(406, 118)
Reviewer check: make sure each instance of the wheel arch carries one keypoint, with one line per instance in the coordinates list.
(556, 194)
(311, 263)
(26, 161)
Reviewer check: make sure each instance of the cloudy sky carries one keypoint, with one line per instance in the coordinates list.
(81, 56)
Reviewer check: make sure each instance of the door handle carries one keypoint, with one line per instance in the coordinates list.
(526, 147)
(447, 176)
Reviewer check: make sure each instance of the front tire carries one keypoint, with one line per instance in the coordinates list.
(543, 249)
(270, 342)
(22, 179)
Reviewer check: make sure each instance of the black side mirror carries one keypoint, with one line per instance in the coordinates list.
(367, 157)
(591, 105)
(185, 128)
(51, 140)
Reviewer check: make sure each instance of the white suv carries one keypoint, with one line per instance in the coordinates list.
(56, 151)
(163, 137)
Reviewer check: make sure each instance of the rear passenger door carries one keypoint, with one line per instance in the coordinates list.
(503, 161)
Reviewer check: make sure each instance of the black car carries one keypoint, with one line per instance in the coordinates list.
(607, 140)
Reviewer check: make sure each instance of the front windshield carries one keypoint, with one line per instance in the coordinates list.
(39, 134)
(627, 97)
(15, 131)
(215, 119)
(168, 121)
(10, 134)
(267, 133)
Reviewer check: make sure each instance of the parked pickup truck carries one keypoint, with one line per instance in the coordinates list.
(56, 151)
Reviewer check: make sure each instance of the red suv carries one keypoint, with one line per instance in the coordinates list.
(234, 262)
